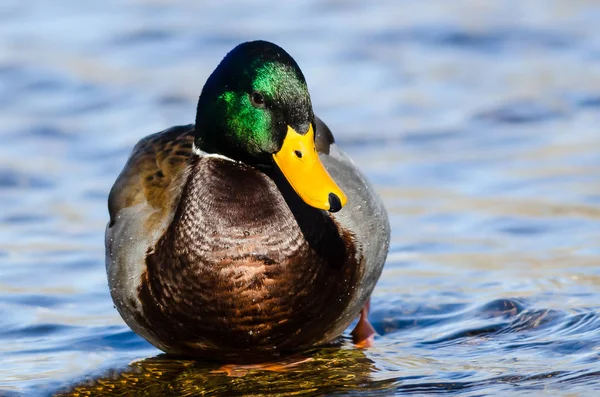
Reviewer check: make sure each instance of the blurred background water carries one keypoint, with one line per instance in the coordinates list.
(478, 122)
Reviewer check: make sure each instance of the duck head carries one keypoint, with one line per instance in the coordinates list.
(255, 108)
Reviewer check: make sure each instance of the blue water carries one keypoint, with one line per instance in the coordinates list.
(478, 122)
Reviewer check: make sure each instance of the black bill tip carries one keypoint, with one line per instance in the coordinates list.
(334, 203)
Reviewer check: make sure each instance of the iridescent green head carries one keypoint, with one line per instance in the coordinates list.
(255, 108)
(248, 102)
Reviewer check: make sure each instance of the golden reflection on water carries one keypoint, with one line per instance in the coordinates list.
(326, 370)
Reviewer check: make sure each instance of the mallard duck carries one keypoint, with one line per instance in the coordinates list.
(250, 233)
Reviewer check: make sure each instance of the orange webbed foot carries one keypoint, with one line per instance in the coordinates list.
(363, 334)
(237, 370)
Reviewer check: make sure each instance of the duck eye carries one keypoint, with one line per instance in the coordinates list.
(257, 99)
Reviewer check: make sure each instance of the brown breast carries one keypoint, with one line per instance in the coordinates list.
(246, 270)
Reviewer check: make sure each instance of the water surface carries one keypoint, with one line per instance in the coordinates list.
(477, 122)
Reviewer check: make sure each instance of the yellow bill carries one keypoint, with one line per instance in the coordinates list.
(300, 164)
